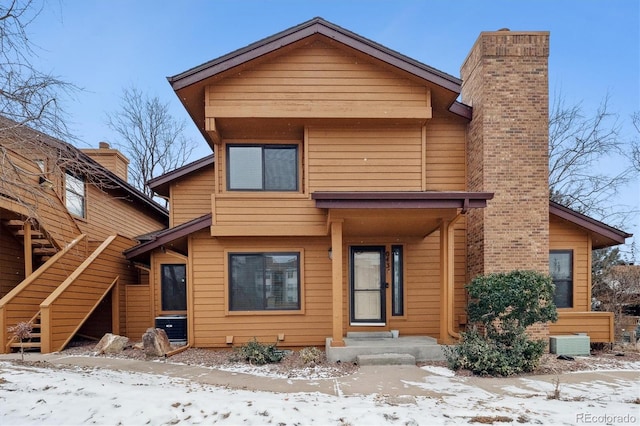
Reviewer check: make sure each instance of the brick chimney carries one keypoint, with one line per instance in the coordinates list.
(110, 159)
(505, 80)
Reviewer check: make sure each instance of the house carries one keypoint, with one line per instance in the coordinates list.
(66, 216)
(351, 192)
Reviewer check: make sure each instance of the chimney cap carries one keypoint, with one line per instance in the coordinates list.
(504, 29)
(103, 145)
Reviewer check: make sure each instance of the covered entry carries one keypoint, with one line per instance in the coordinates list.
(386, 216)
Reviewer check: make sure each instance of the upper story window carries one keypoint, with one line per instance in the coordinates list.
(75, 195)
(561, 271)
(262, 167)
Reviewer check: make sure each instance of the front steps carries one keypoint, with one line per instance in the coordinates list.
(380, 348)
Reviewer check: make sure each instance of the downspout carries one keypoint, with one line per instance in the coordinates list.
(450, 287)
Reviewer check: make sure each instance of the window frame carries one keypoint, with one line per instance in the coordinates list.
(567, 284)
(82, 197)
(263, 146)
(397, 288)
(299, 309)
(163, 308)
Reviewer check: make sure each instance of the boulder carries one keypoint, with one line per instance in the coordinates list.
(111, 344)
(156, 342)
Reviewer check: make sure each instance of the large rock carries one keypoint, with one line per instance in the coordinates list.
(156, 342)
(111, 344)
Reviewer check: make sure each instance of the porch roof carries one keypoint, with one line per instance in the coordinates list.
(401, 200)
(172, 236)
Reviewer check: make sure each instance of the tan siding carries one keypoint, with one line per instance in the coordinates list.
(365, 160)
(598, 325)
(564, 236)
(138, 306)
(11, 261)
(317, 75)
(191, 196)
(212, 324)
(107, 215)
(445, 156)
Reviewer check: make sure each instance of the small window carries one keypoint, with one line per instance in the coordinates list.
(174, 287)
(397, 287)
(75, 195)
(561, 271)
(262, 168)
(264, 281)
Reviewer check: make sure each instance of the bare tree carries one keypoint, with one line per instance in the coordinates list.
(28, 97)
(617, 290)
(635, 145)
(152, 139)
(577, 145)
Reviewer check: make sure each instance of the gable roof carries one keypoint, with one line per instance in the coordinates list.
(189, 85)
(115, 182)
(160, 185)
(603, 235)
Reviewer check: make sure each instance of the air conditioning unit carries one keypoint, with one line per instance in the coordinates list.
(175, 326)
(573, 345)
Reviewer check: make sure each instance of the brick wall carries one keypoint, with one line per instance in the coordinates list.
(506, 82)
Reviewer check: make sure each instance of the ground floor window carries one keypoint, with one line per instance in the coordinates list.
(174, 287)
(561, 271)
(397, 280)
(264, 281)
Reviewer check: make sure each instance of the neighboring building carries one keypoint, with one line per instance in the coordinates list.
(66, 216)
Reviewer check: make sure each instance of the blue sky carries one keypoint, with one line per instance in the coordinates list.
(104, 46)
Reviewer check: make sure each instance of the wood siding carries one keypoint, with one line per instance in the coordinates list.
(376, 159)
(565, 236)
(191, 196)
(317, 80)
(11, 261)
(445, 156)
(598, 325)
(138, 308)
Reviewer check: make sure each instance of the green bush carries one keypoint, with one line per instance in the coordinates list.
(504, 304)
(258, 353)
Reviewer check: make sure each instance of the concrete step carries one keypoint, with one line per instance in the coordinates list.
(386, 359)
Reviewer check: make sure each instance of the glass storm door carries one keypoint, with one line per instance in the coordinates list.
(367, 286)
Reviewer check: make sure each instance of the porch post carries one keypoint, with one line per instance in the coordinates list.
(336, 280)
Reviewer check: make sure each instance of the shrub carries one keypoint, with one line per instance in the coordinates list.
(21, 331)
(504, 304)
(258, 353)
(311, 355)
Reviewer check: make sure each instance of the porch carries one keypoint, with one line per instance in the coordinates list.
(382, 348)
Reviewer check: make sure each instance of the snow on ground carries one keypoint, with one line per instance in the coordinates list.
(70, 396)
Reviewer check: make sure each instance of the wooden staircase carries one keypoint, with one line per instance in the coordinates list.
(41, 246)
(33, 342)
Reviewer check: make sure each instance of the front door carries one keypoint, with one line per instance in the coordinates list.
(367, 285)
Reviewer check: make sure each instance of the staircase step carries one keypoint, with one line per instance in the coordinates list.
(386, 359)
(34, 234)
(14, 223)
(44, 251)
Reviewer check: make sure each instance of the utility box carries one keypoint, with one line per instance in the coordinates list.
(573, 345)
(175, 326)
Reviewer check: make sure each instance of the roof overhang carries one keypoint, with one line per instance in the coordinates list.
(396, 214)
(160, 185)
(402, 200)
(173, 238)
(602, 235)
(189, 85)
